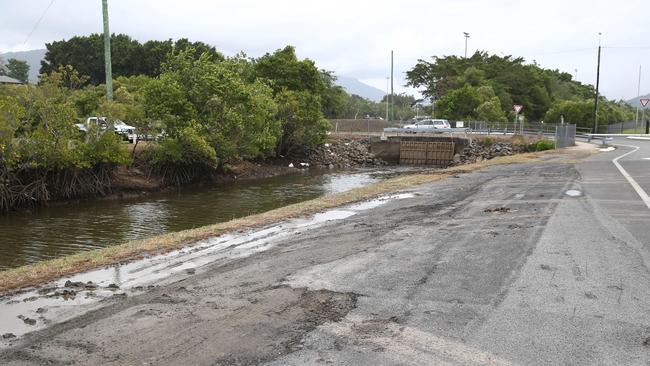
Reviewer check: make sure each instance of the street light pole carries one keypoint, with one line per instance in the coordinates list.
(597, 85)
(107, 52)
(466, 37)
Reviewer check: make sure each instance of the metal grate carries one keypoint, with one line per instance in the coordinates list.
(426, 153)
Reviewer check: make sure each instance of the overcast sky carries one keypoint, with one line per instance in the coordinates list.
(354, 38)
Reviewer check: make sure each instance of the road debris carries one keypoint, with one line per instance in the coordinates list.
(498, 209)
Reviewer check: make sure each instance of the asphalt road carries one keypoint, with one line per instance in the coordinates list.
(497, 267)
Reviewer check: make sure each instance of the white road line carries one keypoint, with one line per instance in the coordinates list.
(644, 196)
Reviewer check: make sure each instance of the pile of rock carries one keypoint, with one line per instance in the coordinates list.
(342, 155)
(480, 151)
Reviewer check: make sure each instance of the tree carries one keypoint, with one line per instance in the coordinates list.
(301, 120)
(460, 104)
(284, 71)
(299, 89)
(334, 97)
(490, 111)
(129, 57)
(512, 80)
(18, 70)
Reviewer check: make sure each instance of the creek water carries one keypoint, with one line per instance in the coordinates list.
(58, 230)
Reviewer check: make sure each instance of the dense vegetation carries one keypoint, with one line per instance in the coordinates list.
(484, 87)
(42, 153)
(129, 57)
(207, 111)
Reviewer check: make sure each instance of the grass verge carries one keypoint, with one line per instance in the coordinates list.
(42, 272)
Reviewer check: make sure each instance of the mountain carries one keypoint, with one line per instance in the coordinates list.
(634, 102)
(354, 86)
(33, 59)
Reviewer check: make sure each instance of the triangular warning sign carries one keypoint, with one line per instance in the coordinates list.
(644, 102)
(518, 107)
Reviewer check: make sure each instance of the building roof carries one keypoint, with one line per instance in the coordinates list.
(8, 80)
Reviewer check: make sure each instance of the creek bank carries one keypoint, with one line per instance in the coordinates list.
(135, 181)
(338, 154)
(483, 149)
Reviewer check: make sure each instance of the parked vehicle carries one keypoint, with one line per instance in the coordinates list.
(119, 127)
(429, 124)
(126, 131)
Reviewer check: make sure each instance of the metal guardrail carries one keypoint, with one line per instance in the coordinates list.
(427, 130)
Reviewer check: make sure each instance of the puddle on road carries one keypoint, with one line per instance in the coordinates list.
(573, 193)
(54, 302)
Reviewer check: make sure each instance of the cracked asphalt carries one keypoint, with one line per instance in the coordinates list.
(496, 267)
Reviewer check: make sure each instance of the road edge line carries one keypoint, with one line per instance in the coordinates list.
(642, 194)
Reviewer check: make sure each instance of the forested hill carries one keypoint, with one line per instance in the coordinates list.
(485, 87)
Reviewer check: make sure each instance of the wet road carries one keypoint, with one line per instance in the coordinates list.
(496, 267)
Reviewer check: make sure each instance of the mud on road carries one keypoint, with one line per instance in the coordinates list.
(414, 281)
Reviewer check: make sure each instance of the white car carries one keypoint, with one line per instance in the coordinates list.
(429, 124)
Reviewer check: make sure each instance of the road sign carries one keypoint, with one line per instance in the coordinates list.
(518, 107)
(644, 102)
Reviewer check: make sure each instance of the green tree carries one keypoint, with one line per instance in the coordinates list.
(490, 111)
(18, 70)
(301, 120)
(129, 57)
(512, 80)
(334, 98)
(284, 71)
(460, 104)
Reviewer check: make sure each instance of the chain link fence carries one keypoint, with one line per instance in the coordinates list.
(565, 135)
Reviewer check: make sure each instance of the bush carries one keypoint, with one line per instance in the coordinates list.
(545, 145)
(182, 159)
(487, 141)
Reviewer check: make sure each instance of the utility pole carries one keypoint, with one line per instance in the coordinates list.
(597, 85)
(392, 94)
(638, 94)
(107, 53)
(387, 97)
(466, 37)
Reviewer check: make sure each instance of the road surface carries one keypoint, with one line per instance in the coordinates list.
(545, 263)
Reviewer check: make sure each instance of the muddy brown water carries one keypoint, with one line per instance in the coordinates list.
(50, 232)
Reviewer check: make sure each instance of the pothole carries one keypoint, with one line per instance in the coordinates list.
(573, 193)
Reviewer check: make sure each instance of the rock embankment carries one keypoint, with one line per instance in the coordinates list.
(343, 154)
(478, 151)
(339, 154)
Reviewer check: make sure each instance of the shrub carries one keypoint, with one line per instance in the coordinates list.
(545, 145)
(183, 158)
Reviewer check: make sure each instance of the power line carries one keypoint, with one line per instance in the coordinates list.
(630, 47)
(38, 22)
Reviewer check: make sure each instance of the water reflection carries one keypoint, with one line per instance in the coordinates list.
(48, 232)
